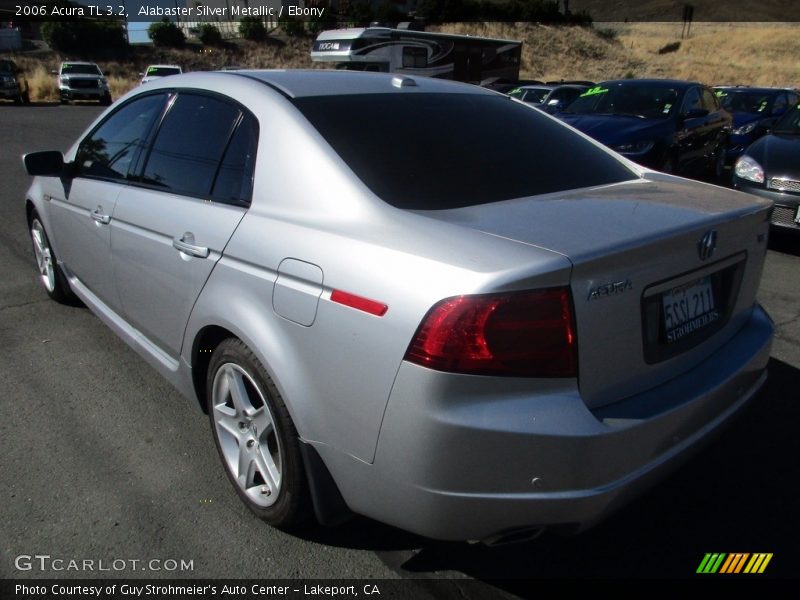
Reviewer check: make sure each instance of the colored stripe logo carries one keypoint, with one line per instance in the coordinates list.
(737, 562)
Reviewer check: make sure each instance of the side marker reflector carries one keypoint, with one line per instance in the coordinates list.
(359, 303)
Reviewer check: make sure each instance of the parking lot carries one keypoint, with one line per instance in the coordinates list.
(103, 460)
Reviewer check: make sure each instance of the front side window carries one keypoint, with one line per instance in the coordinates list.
(693, 101)
(107, 153)
(779, 107)
(709, 101)
(190, 144)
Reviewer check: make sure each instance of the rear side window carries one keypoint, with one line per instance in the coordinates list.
(439, 151)
(108, 151)
(190, 144)
(234, 181)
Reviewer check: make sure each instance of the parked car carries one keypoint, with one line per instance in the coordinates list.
(770, 168)
(549, 98)
(82, 81)
(154, 72)
(470, 342)
(755, 111)
(504, 85)
(672, 126)
(13, 84)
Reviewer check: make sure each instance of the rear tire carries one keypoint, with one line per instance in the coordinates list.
(50, 273)
(255, 436)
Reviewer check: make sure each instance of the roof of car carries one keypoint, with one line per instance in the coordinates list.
(664, 82)
(758, 90)
(329, 82)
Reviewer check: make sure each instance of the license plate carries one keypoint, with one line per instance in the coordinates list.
(688, 308)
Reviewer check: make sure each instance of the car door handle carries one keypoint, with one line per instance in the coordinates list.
(186, 246)
(98, 216)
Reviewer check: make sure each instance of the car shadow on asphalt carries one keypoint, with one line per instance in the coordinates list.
(785, 242)
(738, 494)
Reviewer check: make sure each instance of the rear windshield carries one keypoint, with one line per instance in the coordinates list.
(439, 151)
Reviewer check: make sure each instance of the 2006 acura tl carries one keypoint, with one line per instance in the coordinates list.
(414, 299)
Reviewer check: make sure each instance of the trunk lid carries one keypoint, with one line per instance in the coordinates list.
(633, 247)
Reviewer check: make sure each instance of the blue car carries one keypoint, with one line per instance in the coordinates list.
(770, 168)
(549, 98)
(672, 126)
(755, 111)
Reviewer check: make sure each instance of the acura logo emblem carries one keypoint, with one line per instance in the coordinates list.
(707, 245)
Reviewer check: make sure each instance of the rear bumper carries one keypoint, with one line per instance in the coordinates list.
(459, 460)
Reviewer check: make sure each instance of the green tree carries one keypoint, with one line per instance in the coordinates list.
(83, 36)
(292, 27)
(209, 35)
(252, 28)
(166, 34)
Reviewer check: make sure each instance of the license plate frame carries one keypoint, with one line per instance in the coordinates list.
(688, 308)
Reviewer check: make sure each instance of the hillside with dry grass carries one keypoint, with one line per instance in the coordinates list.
(745, 53)
(715, 53)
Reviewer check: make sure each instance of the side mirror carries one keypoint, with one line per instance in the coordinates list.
(49, 163)
(695, 113)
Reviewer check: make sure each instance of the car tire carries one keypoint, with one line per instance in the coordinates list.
(255, 436)
(105, 100)
(50, 273)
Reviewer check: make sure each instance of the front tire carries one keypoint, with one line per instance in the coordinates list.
(50, 274)
(255, 436)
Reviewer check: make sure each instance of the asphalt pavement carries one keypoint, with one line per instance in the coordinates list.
(102, 460)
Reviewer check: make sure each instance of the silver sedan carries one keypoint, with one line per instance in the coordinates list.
(407, 298)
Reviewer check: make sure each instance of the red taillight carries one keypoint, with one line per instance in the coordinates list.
(522, 334)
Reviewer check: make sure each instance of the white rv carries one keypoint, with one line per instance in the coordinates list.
(447, 56)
